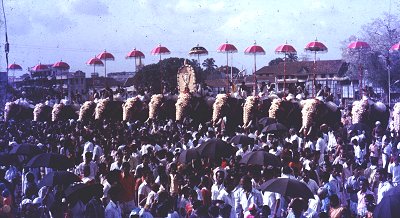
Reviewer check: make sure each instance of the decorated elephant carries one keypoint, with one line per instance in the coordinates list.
(368, 112)
(230, 108)
(162, 107)
(42, 112)
(287, 112)
(316, 113)
(107, 109)
(18, 112)
(62, 112)
(135, 109)
(86, 112)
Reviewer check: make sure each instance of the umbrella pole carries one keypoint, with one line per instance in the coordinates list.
(105, 71)
(284, 76)
(227, 73)
(254, 75)
(314, 75)
(361, 76)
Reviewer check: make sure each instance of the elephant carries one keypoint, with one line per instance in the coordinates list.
(229, 107)
(107, 109)
(18, 112)
(42, 113)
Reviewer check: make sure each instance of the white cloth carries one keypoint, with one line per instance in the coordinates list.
(113, 210)
(215, 190)
(395, 171)
(383, 188)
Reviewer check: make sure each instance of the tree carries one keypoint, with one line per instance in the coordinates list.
(275, 61)
(209, 65)
(380, 34)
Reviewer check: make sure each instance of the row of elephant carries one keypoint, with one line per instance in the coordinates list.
(237, 112)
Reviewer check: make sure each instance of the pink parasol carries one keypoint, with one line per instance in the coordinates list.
(227, 48)
(135, 54)
(315, 47)
(285, 49)
(255, 50)
(106, 56)
(359, 46)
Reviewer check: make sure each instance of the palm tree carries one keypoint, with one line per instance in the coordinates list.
(210, 65)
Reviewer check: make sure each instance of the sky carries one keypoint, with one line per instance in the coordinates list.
(74, 31)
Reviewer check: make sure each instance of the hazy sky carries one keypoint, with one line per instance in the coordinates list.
(47, 31)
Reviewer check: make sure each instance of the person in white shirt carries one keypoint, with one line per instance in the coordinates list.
(219, 184)
(247, 196)
(87, 162)
(386, 151)
(394, 169)
(383, 187)
(117, 164)
(243, 150)
(113, 210)
(228, 194)
(310, 182)
(320, 148)
(145, 189)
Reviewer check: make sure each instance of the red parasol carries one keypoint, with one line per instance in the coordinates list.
(359, 46)
(40, 67)
(61, 65)
(198, 50)
(14, 66)
(160, 50)
(135, 54)
(94, 62)
(285, 49)
(106, 56)
(254, 50)
(315, 47)
(227, 48)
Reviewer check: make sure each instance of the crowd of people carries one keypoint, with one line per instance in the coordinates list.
(135, 171)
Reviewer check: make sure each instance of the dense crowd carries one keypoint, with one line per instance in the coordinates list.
(135, 169)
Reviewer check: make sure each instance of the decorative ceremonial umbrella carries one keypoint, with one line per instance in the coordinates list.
(315, 47)
(285, 49)
(62, 66)
(254, 50)
(160, 50)
(40, 67)
(14, 67)
(135, 54)
(198, 50)
(227, 48)
(95, 62)
(106, 56)
(359, 46)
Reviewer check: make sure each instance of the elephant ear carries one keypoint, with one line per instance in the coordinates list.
(381, 107)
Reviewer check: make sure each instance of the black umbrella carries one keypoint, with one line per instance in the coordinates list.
(59, 178)
(389, 205)
(51, 160)
(215, 149)
(25, 149)
(188, 155)
(265, 121)
(9, 159)
(288, 187)
(83, 192)
(275, 128)
(262, 158)
(241, 139)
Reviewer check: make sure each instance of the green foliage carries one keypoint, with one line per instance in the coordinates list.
(381, 33)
